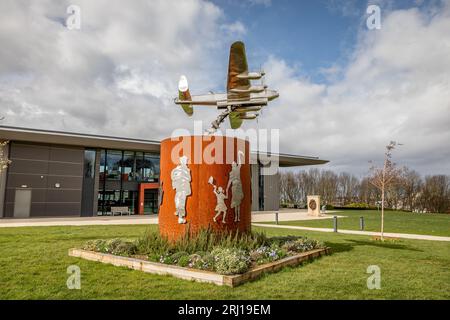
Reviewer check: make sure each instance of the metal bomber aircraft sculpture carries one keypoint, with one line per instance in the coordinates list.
(201, 194)
(242, 101)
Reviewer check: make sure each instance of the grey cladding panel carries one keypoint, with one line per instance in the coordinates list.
(64, 182)
(38, 209)
(31, 181)
(66, 155)
(29, 151)
(54, 195)
(60, 209)
(65, 169)
(56, 165)
(28, 166)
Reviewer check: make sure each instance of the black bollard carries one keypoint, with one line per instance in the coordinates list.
(361, 223)
(335, 224)
(276, 217)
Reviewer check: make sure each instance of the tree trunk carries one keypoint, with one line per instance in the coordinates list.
(382, 214)
(383, 187)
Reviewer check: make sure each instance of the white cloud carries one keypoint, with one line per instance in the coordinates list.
(235, 29)
(396, 87)
(118, 75)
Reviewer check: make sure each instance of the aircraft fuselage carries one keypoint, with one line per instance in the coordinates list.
(223, 100)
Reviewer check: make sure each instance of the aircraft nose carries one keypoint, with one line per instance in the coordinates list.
(274, 95)
(183, 84)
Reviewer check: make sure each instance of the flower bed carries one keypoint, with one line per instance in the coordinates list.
(222, 254)
(192, 274)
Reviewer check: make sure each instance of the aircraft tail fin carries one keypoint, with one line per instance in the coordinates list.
(185, 95)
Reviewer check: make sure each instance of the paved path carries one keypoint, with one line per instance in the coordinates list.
(258, 216)
(78, 221)
(288, 215)
(364, 233)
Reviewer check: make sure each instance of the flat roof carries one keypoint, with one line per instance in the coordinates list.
(111, 142)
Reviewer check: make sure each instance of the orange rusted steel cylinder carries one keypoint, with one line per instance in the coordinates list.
(207, 156)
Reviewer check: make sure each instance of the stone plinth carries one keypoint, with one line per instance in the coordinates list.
(313, 203)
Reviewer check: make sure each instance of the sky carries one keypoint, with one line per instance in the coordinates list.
(345, 91)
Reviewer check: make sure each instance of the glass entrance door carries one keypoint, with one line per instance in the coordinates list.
(150, 201)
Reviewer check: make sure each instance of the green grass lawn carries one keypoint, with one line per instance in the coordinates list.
(394, 221)
(34, 260)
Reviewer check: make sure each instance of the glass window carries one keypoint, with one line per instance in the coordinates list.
(150, 201)
(261, 188)
(113, 164)
(117, 165)
(100, 208)
(130, 200)
(151, 168)
(111, 199)
(89, 163)
(102, 167)
(139, 166)
(129, 167)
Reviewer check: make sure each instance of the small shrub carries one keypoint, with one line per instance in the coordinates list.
(126, 248)
(302, 245)
(194, 260)
(89, 245)
(178, 255)
(355, 206)
(154, 257)
(230, 260)
(98, 245)
(358, 205)
(183, 261)
(266, 254)
(152, 244)
(166, 258)
(112, 244)
(205, 262)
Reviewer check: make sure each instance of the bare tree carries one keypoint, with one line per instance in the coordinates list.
(408, 191)
(412, 184)
(328, 186)
(289, 188)
(367, 193)
(384, 178)
(435, 196)
(348, 188)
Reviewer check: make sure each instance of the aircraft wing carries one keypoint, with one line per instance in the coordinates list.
(201, 100)
(235, 120)
(237, 65)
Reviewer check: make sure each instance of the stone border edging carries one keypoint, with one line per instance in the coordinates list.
(194, 274)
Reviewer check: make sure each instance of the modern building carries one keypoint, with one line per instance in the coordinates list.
(69, 174)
